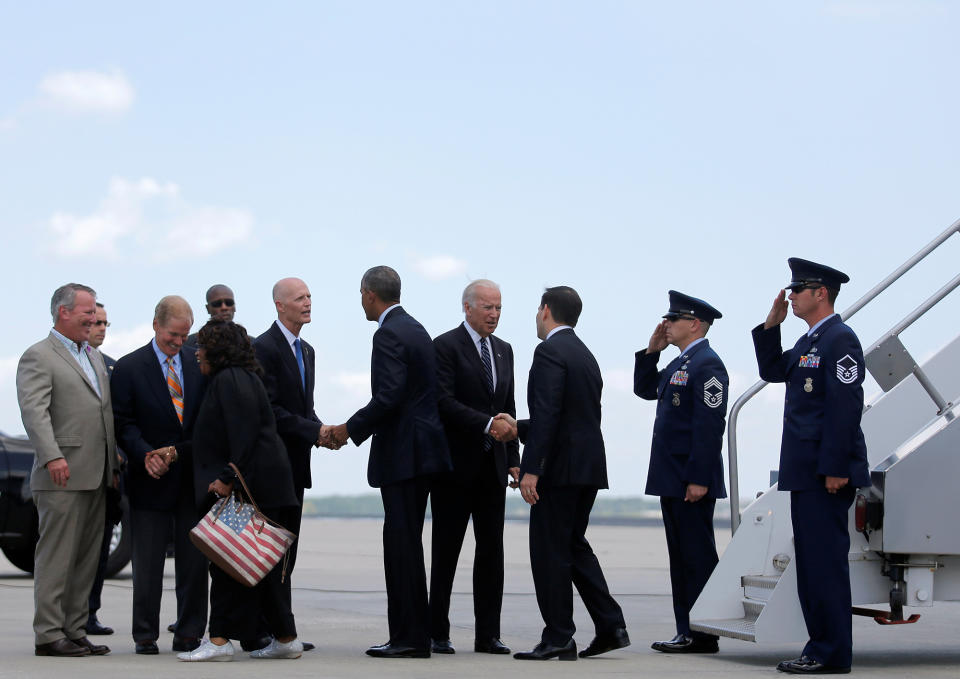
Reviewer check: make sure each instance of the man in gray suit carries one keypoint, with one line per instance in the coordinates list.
(64, 396)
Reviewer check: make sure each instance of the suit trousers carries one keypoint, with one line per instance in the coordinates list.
(404, 506)
(65, 561)
(150, 531)
(240, 612)
(97, 589)
(693, 555)
(821, 539)
(452, 505)
(561, 558)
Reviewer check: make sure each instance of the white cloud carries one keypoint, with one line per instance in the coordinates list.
(439, 267)
(87, 92)
(357, 384)
(149, 214)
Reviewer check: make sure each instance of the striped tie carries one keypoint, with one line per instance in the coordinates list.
(176, 391)
(488, 379)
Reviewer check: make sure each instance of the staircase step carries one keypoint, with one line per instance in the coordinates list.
(734, 628)
(752, 608)
(759, 587)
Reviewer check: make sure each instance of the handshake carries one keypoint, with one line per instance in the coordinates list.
(503, 428)
(332, 437)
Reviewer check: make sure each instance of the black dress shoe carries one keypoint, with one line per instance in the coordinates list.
(63, 648)
(545, 651)
(390, 650)
(307, 646)
(182, 644)
(146, 648)
(442, 646)
(491, 645)
(93, 626)
(95, 649)
(684, 644)
(607, 642)
(807, 665)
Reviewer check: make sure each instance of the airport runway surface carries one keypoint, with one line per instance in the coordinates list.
(340, 604)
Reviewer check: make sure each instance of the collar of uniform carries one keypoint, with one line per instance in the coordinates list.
(384, 314)
(556, 330)
(816, 327)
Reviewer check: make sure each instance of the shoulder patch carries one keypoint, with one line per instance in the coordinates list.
(713, 393)
(847, 371)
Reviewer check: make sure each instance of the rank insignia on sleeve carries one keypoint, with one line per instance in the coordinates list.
(713, 393)
(847, 369)
(809, 361)
(680, 378)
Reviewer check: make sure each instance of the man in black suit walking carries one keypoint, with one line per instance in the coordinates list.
(563, 466)
(408, 447)
(157, 390)
(475, 372)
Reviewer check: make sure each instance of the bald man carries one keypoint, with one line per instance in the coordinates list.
(221, 305)
(157, 393)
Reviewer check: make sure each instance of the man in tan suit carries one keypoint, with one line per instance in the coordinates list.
(64, 396)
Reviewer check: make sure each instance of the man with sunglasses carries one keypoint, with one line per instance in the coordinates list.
(686, 469)
(823, 457)
(221, 305)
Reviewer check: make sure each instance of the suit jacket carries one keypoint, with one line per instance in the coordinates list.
(64, 416)
(236, 424)
(691, 394)
(824, 374)
(297, 422)
(466, 404)
(562, 440)
(146, 420)
(408, 439)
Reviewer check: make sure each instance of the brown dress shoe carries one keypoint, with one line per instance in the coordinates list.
(95, 649)
(61, 648)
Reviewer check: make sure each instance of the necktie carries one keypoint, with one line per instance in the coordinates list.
(303, 372)
(488, 378)
(175, 389)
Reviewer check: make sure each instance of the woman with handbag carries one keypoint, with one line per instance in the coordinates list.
(235, 429)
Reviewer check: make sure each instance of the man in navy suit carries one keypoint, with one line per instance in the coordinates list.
(563, 466)
(157, 392)
(823, 456)
(686, 469)
(408, 447)
(475, 372)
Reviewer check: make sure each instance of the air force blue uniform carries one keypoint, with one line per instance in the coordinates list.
(691, 394)
(824, 375)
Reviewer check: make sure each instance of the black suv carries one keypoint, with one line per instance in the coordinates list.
(18, 515)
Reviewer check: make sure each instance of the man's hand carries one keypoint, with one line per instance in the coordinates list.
(325, 438)
(503, 428)
(694, 492)
(528, 488)
(778, 312)
(116, 480)
(835, 483)
(658, 340)
(219, 488)
(515, 475)
(339, 434)
(59, 471)
(156, 463)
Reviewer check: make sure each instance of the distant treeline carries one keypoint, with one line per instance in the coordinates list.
(628, 510)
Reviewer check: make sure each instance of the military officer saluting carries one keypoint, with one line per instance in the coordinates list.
(823, 457)
(686, 469)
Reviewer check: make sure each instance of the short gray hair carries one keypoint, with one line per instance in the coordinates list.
(66, 296)
(470, 292)
(382, 281)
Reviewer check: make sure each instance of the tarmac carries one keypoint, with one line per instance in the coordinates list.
(340, 604)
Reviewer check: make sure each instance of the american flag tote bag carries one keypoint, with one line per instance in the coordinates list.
(239, 539)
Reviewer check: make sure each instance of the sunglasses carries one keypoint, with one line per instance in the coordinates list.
(680, 317)
(105, 324)
(217, 303)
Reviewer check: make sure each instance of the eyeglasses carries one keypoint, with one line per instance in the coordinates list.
(221, 302)
(105, 324)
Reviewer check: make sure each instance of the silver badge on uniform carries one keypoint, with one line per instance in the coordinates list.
(808, 387)
(676, 399)
(713, 393)
(847, 369)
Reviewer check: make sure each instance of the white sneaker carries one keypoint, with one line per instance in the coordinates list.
(277, 650)
(208, 652)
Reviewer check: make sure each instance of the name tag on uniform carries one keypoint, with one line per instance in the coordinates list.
(809, 361)
(680, 378)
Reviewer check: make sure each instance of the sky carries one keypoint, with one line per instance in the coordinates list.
(622, 148)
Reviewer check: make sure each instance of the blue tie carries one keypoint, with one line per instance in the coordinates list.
(303, 372)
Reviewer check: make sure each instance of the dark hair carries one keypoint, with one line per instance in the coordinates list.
(226, 344)
(832, 295)
(382, 281)
(565, 305)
